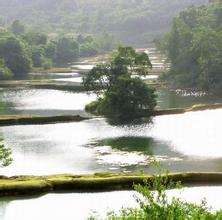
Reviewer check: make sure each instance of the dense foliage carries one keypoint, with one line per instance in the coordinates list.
(134, 21)
(15, 55)
(5, 72)
(194, 48)
(120, 90)
(21, 50)
(154, 204)
(5, 155)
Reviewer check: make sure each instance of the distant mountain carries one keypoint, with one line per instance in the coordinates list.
(133, 21)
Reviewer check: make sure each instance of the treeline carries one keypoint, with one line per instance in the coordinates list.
(132, 21)
(20, 51)
(194, 48)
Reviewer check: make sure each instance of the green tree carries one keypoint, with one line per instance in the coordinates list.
(80, 39)
(67, 50)
(118, 86)
(37, 56)
(50, 50)
(132, 21)
(17, 28)
(207, 45)
(194, 47)
(5, 155)
(88, 49)
(35, 38)
(154, 203)
(5, 72)
(16, 56)
(47, 64)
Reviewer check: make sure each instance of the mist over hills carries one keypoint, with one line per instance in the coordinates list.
(132, 21)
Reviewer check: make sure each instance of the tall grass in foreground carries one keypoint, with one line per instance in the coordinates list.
(154, 204)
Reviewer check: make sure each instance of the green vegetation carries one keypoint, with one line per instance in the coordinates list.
(42, 84)
(28, 185)
(6, 120)
(194, 48)
(5, 72)
(17, 28)
(132, 21)
(119, 143)
(5, 155)
(120, 90)
(20, 51)
(14, 52)
(154, 204)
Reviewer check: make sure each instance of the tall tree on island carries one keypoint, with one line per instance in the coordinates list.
(120, 90)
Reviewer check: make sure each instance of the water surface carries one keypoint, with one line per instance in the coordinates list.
(183, 142)
(43, 101)
(54, 102)
(82, 205)
(182, 99)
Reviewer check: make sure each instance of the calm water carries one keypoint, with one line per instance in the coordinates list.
(54, 102)
(82, 205)
(37, 76)
(42, 101)
(182, 99)
(183, 142)
(186, 142)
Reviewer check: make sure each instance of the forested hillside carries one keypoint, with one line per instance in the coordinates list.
(194, 48)
(133, 21)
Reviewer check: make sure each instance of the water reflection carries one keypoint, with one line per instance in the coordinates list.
(128, 151)
(52, 75)
(54, 102)
(195, 133)
(129, 121)
(182, 99)
(71, 79)
(125, 143)
(85, 67)
(181, 142)
(43, 102)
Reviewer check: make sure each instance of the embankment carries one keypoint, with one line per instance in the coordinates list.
(36, 185)
(200, 107)
(6, 120)
(27, 120)
(42, 84)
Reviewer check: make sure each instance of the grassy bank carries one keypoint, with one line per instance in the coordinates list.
(6, 120)
(200, 107)
(34, 185)
(172, 111)
(42, 84)
(52, 70)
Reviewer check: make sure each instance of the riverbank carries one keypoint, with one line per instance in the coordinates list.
(7, 120)
(194, 108)
(52, 70)
(172, 111)
(42, 84)
(52, 84)
(36, 185)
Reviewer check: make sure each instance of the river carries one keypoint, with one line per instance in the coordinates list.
(82, 205)
(184, 142)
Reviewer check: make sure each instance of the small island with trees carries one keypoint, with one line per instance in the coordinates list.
(192, 50)
(120, 90)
